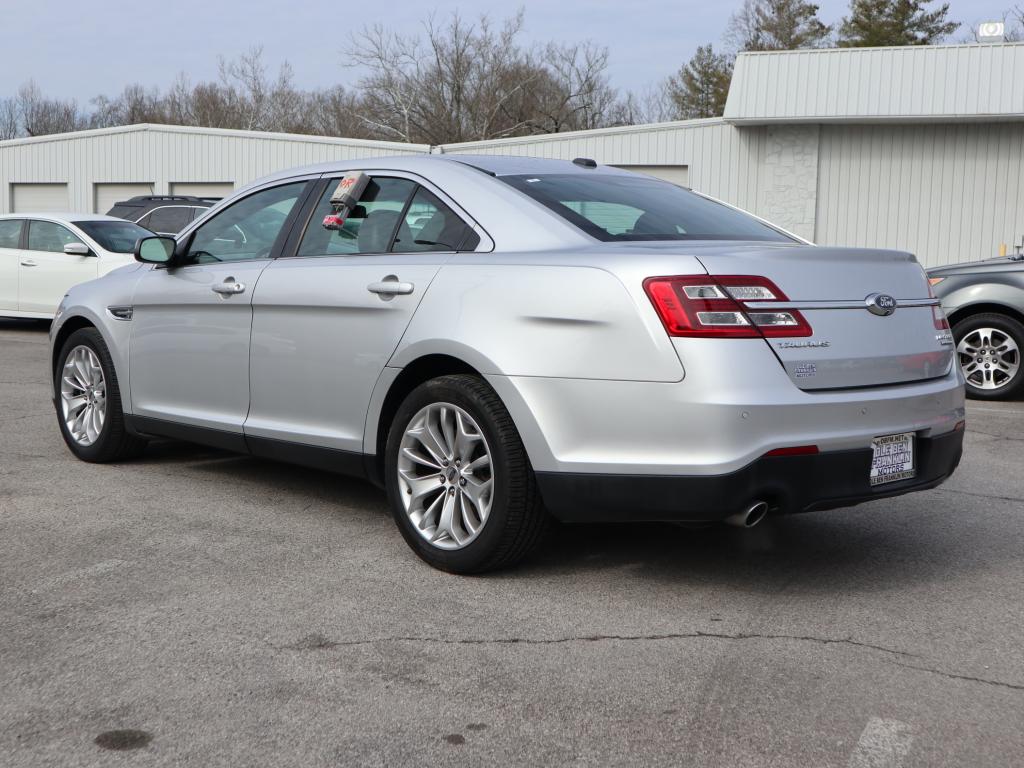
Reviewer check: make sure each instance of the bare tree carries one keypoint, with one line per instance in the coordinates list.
(460, 81)
(40, 115)
(335, 112)
(10, 124)
(652, 105)
(571, 90)
(455, 81)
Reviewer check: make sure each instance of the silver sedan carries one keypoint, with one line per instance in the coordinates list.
(496, 341)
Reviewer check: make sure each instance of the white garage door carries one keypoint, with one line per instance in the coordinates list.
(202, 189)
(39, 198)
(105, 195)
(677, 174)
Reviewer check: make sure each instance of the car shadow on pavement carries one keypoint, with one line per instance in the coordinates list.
(851, 550)
(873, 547)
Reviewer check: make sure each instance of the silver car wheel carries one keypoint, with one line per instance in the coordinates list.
(445, 476)
(989, 358)
(83, 395)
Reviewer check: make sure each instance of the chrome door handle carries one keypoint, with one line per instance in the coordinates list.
(28, 264)
(388, 288)
(228, 287)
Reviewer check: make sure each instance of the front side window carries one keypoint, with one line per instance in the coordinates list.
(368, 228)
(614, 207)
(247, 229)
(114, 236)
(170, 219)
(10, 233)
(50, 237)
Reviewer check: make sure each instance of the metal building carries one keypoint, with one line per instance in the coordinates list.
(91, 170)
(918, 148)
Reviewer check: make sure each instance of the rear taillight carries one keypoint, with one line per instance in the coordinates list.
(723, 306)
(938, 316)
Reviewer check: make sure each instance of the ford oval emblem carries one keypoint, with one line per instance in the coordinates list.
(880, 304)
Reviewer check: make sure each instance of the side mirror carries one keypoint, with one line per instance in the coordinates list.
(154, 250)
(78, 249)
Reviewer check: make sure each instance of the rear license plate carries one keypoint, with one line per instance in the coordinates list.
(892, 458)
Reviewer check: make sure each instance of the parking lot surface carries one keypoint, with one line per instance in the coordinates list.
(205, 609)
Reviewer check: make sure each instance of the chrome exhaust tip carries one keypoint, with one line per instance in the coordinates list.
(749, 517)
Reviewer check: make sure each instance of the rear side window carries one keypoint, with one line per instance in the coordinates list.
(47, 236)
(430, 225)
(114, 236)
(169, 219)
(129, 212)
(10, 233)
(627, 207)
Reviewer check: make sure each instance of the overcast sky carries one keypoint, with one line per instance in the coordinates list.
(77, 48)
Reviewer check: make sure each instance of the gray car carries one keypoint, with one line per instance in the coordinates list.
(497, 340)
(985, 302)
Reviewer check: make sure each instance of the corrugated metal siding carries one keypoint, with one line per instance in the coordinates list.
(161, 155)
(947, 193)
(945, 82)
(722, 161)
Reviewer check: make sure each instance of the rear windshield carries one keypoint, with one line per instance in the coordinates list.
(114, 236)
(126, 211)
(620, 207)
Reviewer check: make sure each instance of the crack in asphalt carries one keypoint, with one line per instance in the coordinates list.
(954, 676)
(317, 642)
(24, 416)
(982, 495)
(320, 643)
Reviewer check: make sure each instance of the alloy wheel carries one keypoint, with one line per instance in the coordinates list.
(445, 476)
(989, 358)
(83, 395)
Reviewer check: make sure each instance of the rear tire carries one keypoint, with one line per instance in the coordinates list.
(93, 380)
(495, 514)
(993, 340)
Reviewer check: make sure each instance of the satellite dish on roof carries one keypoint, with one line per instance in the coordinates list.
(992, 32)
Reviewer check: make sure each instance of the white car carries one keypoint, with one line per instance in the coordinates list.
(42, 255)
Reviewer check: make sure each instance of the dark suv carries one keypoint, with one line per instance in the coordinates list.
(984, 301)
(163, 214)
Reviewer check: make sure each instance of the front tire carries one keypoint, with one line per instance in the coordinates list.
(988, 350)
(458, 479)
(88, 401)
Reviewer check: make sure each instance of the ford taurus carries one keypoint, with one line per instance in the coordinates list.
(499, 340)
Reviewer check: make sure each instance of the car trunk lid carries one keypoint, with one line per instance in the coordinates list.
(857, 339)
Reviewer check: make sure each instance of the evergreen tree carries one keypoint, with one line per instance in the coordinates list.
(699, 89)
(894, 22)
(777, 25)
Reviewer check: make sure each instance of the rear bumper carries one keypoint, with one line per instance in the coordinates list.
(789, 483)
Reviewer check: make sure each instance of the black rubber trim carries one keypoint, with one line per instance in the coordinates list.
(146, 426)
(349, 463)
(313, 456)
(788, 483)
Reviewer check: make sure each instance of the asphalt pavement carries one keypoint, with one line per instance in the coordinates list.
(194, 608)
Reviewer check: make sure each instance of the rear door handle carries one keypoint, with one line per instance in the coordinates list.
(387, 288)
(28, 263)
(229, 287)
